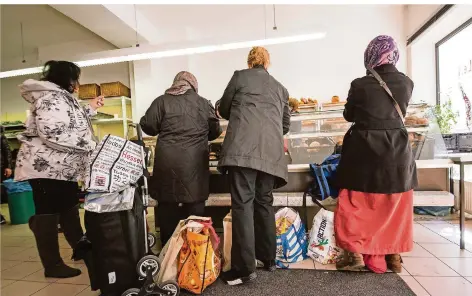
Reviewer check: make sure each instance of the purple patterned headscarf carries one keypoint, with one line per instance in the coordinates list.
(380, 51)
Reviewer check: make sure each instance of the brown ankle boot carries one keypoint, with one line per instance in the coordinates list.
(351, 262)
(394, 262)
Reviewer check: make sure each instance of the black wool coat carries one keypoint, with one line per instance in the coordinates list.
(184, 124)
(376, 154)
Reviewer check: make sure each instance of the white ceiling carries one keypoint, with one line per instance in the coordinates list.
(43, 26)
(164, 24)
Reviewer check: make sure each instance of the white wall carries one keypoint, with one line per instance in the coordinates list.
(318, 69)
(48, 35)
(423, 61)
(151, 79)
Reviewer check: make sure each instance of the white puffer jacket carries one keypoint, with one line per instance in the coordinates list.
(58, 139)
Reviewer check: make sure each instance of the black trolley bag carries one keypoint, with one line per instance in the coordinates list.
(117, 241)
(114, 243)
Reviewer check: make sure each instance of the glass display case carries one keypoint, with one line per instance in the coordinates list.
(314, 133)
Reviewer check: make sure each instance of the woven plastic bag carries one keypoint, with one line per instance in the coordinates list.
(199, 261)
(171, 266)
(322, 247)
(291, 238)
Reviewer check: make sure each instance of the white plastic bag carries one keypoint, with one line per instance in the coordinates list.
(103, 202)
(322, 244)
(227, 241)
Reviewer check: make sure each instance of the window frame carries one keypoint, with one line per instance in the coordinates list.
(436, 49)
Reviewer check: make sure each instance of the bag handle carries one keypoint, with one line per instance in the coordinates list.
(389, 92)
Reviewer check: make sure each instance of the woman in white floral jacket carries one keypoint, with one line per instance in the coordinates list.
(54, 155)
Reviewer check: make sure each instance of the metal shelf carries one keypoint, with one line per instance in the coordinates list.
(14, 126)
(112, 101)
(111, 121)
(12, 137)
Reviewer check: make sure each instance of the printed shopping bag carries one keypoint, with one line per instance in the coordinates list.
(170, 252)
(116, 163)
(199, 261)
(291, 237)
(322, 246)
(227, 241)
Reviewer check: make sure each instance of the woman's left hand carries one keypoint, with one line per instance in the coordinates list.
(97, 103)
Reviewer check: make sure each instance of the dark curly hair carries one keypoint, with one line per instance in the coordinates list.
(64, 74)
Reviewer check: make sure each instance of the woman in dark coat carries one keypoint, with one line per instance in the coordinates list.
(256, 106)
(184, 123)
(377, 171)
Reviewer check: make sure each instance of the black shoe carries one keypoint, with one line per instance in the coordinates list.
(2, 220)
(61, 270)
(234, 279)
(267, 265)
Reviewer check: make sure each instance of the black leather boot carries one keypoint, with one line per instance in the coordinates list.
(44, 228)
(71, 227)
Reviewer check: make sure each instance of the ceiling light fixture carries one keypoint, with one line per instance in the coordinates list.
(175, 53)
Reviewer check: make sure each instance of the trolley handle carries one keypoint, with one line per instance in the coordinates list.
(139, 131)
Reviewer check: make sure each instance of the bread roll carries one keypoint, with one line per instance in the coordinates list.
(315, 144)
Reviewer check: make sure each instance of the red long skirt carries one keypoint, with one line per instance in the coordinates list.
(374, 225)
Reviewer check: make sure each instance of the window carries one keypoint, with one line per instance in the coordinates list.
(454, 74)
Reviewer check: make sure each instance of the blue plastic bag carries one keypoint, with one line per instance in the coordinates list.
(324, 175)
(16, 187)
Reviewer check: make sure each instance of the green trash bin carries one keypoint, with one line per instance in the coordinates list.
(21, 207)
(20, 201)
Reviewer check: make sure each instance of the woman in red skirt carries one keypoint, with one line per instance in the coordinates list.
(377, 171)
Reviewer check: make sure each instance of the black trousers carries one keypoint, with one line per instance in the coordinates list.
(253, 218)
(170, 213)
(54, 196)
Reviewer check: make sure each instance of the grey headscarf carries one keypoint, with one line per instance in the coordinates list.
(183, 81)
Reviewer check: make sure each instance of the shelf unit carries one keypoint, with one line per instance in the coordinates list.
(118, 106)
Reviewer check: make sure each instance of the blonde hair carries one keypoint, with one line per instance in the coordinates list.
(293, 103)
(258, 56)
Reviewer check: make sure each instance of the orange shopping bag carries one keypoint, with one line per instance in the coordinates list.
(199, 260)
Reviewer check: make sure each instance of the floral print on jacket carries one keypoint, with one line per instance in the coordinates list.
(59, 137)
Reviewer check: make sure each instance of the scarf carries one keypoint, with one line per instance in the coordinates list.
(380, 51)
(183, 82)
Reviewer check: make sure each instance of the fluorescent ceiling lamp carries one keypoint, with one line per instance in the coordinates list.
(175, 52)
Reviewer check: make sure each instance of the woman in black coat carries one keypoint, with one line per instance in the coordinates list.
(377, 171)
(256, 105)
(184, 123)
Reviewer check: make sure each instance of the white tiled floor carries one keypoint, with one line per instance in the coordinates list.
(436, 266)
